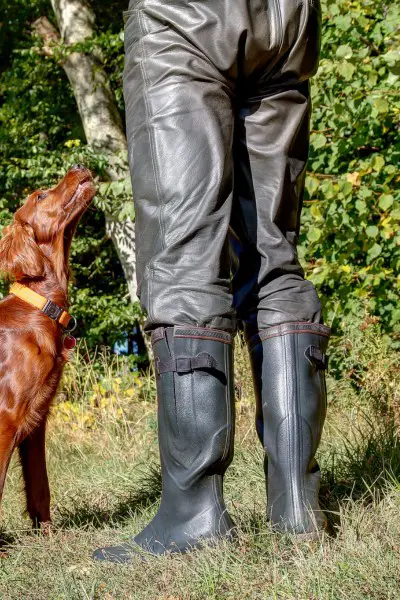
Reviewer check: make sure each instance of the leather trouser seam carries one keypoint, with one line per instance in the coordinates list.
(151, 137)
(152, 151)
(149, 297)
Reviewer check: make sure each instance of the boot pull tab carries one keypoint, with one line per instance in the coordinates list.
(316, 358)
(185, 364)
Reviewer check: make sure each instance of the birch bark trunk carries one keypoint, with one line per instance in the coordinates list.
(100, 118)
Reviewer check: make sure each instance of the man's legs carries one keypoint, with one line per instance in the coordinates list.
(179, 130)
(183, 63)
(279, 308)
(180, 127)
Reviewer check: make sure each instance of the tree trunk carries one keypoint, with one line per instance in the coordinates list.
(100, 118)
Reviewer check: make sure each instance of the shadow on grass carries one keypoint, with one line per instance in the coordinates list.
(86, 513)
(6, 539)
(363, 468)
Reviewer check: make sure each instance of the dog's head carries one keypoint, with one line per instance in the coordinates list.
(42, 229)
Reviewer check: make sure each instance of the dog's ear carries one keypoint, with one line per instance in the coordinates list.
(20, 256)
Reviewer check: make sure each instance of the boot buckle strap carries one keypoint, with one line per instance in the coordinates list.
(186, 364)
(183, 365)
(316, 358)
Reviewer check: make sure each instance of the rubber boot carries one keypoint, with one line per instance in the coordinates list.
(288, 363)
(194, 370)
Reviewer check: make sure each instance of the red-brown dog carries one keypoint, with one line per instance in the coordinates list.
(34, 251)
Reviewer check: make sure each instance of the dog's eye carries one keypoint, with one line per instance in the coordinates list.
(41, 197)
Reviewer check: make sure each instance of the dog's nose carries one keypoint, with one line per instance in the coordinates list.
(77, 167)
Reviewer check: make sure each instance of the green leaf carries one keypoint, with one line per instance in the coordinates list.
(365, 192)
(392, 57)
(346, 187)
(328, 188)
(312, 185)
(334, 9)
(315, 211)
(103, 188)
(385, 201)
(346, 70)
(374, 251)
(127, 211)
(344, 51)
(378, 162)
(318, 140)
(372, 231)
(381, 105)
(361, 207)
(343, 22)
(314, 234)
(339, 108)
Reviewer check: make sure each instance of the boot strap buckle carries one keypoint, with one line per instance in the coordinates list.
(183, 365)
(316, 358)
(186, 364)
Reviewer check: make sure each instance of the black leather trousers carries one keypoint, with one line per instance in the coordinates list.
(217, 107)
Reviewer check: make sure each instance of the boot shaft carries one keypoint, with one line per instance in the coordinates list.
(288, 363)
(194, 371)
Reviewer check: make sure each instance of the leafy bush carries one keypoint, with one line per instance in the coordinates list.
(350, 237)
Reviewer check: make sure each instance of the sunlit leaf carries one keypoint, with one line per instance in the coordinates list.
(385, 201)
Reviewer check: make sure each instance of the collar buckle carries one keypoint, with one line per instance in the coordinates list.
(52, 310)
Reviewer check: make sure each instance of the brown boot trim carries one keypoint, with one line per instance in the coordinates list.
(198, 333)
(288, 329)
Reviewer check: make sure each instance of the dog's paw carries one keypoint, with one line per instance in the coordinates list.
(46, 528)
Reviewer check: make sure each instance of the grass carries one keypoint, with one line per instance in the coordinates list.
(103, 467)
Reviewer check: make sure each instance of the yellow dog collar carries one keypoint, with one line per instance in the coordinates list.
(46, 306)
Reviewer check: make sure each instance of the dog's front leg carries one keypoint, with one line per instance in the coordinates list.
(33, 461)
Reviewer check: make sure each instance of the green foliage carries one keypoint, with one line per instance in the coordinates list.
(364, 370)
(350, 238)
